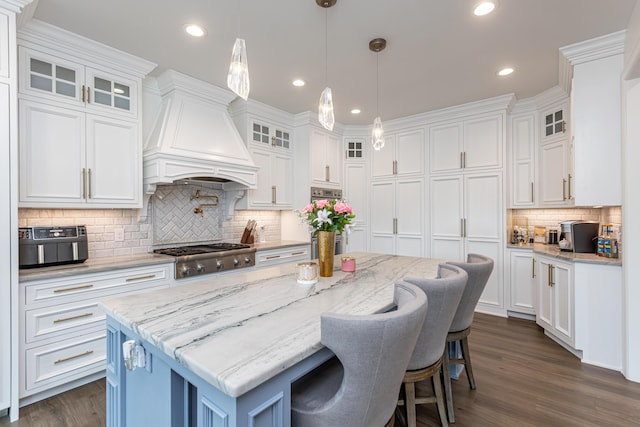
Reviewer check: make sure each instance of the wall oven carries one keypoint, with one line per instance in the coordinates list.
(318, 193)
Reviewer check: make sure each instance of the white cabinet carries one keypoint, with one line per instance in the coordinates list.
(403, 154)
(397, 216)
(555, 298)
(466, 216)
(7, 33)
(554, 172)
(523, 152)
(326, 159)
(521, 287)
(355, 192)
(596, 101)
(61, 80)
(275, 181)
(62, 332)
(80, 138)
(72, 159)
(471, 144)
(270, 257)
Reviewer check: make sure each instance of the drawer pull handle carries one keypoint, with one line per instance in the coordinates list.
(66, 359)
(79, 316)
(148, 276)
(297, 253)
(273, 257)
(75, 288)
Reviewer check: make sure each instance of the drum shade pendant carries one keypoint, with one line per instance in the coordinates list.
(325, 105)
(238, 77)
(377, 133)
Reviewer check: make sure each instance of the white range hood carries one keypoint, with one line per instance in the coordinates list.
(194, 138)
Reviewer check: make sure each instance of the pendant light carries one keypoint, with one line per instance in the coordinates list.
(238, 77)
(377, 133)
(325, 105)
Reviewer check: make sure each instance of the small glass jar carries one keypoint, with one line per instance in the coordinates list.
(307, 273)
(348, 264)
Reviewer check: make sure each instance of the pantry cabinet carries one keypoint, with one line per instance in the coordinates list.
(326, 159)
(467, 145)
(466, 216)
(397, 216)
(555, 298)
(62, 332)
(355, 192)
(402, 154)
(80, 137)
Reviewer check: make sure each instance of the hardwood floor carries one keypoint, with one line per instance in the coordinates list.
(523, 379)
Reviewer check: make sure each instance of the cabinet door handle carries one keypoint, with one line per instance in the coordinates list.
(461, 227)
(564, 126)
(464, 221)
(273, 141)
(533, 268)
(551, 282)
(327, 173)
(464, 157)
(569, 185)
(532, 191)
(89, 182)
(273, 256)
(79, 316)
(84, 183)
(88, 95)
(564, 188)
(461, 161)
(394, 167)
(273, 194)
(297, 253)
(66, 359)
(133, 279)
(83, 94)
(75, 288)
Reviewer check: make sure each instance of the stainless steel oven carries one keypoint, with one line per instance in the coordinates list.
(319, 193)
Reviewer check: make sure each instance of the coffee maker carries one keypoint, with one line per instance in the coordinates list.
(579, 236)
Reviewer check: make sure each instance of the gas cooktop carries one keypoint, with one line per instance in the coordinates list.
(201, 249)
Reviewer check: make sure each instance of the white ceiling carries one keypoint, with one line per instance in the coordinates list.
(438, 54)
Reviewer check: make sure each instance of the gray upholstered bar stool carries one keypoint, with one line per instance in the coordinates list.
(479, 268)
(443, 293)
(360, 387)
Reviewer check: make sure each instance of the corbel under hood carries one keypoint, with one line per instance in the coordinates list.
(194, 138)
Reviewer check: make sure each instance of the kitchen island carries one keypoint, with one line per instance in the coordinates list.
(224, 351)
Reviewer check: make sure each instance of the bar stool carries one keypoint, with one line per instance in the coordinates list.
(443, 293)
(479, 268)
(360, 386)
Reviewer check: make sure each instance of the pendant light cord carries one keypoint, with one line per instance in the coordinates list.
(378, 84)
(326, 43)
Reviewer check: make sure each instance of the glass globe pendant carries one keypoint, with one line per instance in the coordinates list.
(377, 134)
(325, 109)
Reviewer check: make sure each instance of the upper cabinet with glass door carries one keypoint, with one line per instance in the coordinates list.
(71, 83)
(268, 135)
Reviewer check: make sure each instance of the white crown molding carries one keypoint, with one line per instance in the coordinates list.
(172, 80)
(550, 96)
(586, 51)
(261, 110)
(40, 34)
(310, 118)
(14, 5)
(526, 105)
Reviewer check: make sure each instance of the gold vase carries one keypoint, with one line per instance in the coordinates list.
(326, 249)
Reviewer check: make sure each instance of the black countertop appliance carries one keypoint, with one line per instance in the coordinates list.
(46, 246)
(581, 236)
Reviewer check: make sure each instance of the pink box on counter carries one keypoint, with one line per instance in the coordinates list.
(348, 264)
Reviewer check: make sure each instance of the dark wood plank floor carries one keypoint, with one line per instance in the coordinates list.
(523, 379)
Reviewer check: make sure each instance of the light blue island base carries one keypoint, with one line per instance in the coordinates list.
(165, 393)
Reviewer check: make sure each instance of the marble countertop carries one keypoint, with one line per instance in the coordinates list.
(239, 330)
(93, 265)
(555, 252)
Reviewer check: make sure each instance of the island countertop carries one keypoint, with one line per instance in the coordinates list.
(239, 330)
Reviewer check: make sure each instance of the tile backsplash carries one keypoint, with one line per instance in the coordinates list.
(115, 232)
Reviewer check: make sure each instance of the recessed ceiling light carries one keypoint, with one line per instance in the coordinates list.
(355, 111)
(298, 82)
(484, 8)
(195, 30)
(505, 72)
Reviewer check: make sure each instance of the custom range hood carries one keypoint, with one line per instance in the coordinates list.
(193, 138)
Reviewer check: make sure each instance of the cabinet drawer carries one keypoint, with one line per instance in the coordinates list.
(58, 363)
(84, 287)
(52, 321)
(272, 257)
